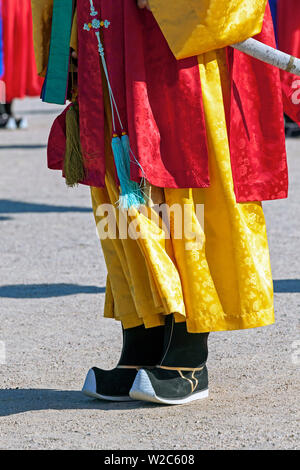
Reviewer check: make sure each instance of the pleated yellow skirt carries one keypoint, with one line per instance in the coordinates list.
(220, 279)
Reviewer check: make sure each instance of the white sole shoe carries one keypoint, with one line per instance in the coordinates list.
(90, 389)
(142, 389)
(22, 124)
(11, 124)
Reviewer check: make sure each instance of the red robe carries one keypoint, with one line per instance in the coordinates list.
(20, 73)
(288, 19)
(161, 106)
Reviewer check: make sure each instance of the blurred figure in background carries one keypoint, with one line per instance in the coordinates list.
(20, 73)
(288, 35)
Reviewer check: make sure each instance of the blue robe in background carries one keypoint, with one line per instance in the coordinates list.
(273, 5)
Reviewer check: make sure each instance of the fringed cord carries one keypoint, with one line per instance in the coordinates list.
(132, 193)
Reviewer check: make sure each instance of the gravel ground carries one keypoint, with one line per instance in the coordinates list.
(52, 283)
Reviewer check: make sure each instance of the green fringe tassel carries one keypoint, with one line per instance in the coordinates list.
(73, 164)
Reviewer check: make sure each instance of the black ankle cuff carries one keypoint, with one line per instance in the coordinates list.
(183, 349)
(142, 346)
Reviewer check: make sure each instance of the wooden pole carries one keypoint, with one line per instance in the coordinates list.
(268, 54)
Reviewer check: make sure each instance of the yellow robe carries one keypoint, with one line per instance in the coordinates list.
(224, 282)
(207, 25)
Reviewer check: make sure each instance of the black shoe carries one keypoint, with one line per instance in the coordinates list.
(170, 386)
(112, 385)
(11, 123)
(291, 128)
(181, 376)
(141, 348)
(21, 123)
(7, 122)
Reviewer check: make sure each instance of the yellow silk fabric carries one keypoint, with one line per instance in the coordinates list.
(42, 20)
(193, 27)
(224, 283)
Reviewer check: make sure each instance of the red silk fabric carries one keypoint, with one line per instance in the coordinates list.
(20, 73)
(288, 27)
(288, 18)
(57, 142)
(257, 140)
(161, 106)
(159, 98)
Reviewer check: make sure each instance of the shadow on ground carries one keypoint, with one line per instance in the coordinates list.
(23, 146)
(43, 291)
(8, 206)
(287, 286)
(42, 111)
(14, 401)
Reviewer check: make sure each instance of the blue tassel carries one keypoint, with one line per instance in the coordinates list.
(131, 195)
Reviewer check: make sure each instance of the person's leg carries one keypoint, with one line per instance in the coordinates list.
(181, 375)
(225, 275)
(8, 120)
(19, 122)
(8, 109)
(218, 281)
(141, 348)
(128, 299)
(3, 115)
(131, 295)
